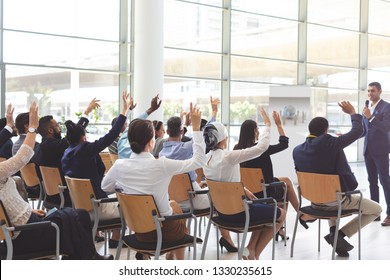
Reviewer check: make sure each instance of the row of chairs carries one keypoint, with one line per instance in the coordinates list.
(219, 193)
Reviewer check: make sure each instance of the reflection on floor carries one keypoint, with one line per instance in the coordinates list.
(375, 238)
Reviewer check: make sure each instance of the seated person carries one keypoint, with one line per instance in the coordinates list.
(75, 240)
(82, 160)
(52, 147)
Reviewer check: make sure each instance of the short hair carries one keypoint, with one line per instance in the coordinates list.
(375, 84)
(139, 134)
(113, 121)
(44, 124)
(174, 125)
(74, 132)
(318, 126)
(20, 121)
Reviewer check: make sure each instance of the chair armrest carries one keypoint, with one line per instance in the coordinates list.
(60, 187)
(105, 200)
(177, 217)
(352, 192)
(262, 201)
(276, 184)
(199, 192)
(32, 226)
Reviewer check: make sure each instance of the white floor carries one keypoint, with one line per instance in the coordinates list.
(375, 238)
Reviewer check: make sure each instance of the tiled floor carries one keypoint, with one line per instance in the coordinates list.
(375, 238)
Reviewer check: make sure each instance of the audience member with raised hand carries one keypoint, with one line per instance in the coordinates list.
(124, 149)
(76, 240)
(224, 165)
(249, 135)
(7, 131)
(82, 160)
(157, 177)
(52, 147)
(323, 153)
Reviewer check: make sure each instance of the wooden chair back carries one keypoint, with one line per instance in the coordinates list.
(113, 158)
(4, 217)
(137, 211)
(179, 186)
(80, 191)
(106, 160)
(252, 179)
(226, 196)
(51, 179)
(318, 188)
(29, 175)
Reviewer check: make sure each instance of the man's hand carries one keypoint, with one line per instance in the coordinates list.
(347, 107)
(91, 106)
(154, 105)
(9, 116)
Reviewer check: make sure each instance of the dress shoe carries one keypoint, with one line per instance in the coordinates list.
(340, 253)
(378, 219)
(342, 244)
(224, 243)
(386, 222)
(99, 239)
(97, 256)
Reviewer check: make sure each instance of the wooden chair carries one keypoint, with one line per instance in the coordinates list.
(52, 183)
(180, 189)
(321, 189)
(7, 231)
(140, 214)
(106, 158)
(31, 179)
(113, 157)
(253, 180)
(228, 198)
(83, 196)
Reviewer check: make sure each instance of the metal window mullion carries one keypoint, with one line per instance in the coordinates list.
(226, 62)
(302, 43)
(2, 66)
(123, 45)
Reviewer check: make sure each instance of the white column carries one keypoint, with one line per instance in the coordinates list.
(148, 54)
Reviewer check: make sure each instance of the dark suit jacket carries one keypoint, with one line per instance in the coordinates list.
(324, 154)
(4, 136)
(83, 160)
(377, 132)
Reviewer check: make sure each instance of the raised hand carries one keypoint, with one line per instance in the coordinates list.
(347, 107)
(33, 115)
(92, 106)
(9, 116)
(214, 106)
(196, 116)
(154, 105)
(265, 117)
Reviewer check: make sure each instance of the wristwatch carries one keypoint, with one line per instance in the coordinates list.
(32, 130)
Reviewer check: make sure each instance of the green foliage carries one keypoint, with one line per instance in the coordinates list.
(240, 111)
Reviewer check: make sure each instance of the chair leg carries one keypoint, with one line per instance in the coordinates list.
(205, 240)
(294, 235)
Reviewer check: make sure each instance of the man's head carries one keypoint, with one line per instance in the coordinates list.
(174, 127)
(374, 91)
(318, 126)
(49, 128)
(21, 123)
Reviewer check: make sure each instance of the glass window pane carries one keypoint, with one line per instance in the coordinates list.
(59, 51)
(207, 2)
(263, 70)
(378, 52)
(378, 17)
(332, 46)
(87, 18)
(261, 36)
(62, 93)
(191, 26)
(265, 7)
(323, 76)
(192, 64)
(344, 14)
(178, 93)
(383, 78)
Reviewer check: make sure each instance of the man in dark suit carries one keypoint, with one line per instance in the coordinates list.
(377, 144)
(52, 147)
(323, 153)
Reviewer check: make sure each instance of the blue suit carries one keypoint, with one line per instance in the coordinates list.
(377, 149)
(325, 154)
